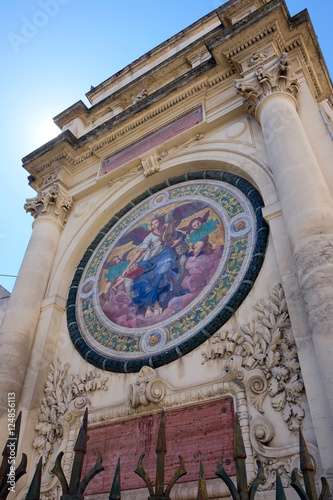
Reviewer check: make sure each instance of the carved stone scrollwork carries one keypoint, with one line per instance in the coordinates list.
(282, 458)
(263, 356)
(148, 388)
(150, 165)
(274, 77)
(65, 396)
(52, 203)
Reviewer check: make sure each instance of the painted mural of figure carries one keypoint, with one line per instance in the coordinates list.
(153, 276)
(200, 246)
(157, 271)
(112, 276)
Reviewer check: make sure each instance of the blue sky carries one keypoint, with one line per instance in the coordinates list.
(52, 51)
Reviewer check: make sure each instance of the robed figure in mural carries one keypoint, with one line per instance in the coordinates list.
(157, 272)
(157, 258)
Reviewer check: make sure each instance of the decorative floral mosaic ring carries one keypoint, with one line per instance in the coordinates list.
(167, 271)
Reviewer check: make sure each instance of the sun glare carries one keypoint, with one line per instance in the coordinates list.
(47, 131)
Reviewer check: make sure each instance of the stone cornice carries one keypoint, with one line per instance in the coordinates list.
(169, 44)
(273, 23)
(52, 204)
(274, 77)
(68, 137)
(191, 52)
(36, 163)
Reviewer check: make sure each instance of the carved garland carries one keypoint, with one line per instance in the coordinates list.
(263, 355)
(64, 397)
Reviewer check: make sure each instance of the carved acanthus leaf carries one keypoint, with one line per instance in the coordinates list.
(263, 355)
(64, 395)
(52, 203)
(274, 77)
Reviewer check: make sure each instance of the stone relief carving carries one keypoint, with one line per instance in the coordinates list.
(53, 494)
(261, 372)
(176, 149)
(256, 58)
(274, 77)
(52, 203)
(150, 165)
(117, 184)
(141, 95)
(50, 179)
(282, 458)
(263, 357)
(64, 397)
(148, 388)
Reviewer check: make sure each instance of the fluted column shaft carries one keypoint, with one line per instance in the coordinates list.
(306, 203)
(22, 315)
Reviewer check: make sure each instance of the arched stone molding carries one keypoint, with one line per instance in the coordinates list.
(206, 159)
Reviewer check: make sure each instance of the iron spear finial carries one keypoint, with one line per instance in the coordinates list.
(5, 467)
(202, 487)
(115, 493)
(76, 486)
(160, 493)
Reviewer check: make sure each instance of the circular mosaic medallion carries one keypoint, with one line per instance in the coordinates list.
(167, 271)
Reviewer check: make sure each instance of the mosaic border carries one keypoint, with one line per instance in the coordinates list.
(220, 319)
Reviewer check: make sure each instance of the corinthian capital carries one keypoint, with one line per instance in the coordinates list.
(52, 203)
(274, 77)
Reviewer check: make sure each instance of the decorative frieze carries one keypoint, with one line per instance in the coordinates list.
(272, 78)
(52, 203)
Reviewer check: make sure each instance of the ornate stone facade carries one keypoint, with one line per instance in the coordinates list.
(197, 300)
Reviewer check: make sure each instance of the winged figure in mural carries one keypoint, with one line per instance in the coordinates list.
(153, 275)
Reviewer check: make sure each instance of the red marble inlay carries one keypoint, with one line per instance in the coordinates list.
(152, 141)
(197, 432)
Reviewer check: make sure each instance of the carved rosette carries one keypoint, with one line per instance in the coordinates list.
(52, 203)
(275, 77)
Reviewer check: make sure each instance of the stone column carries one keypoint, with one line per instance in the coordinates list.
(307, 206)
(316, 395)
(49, 209)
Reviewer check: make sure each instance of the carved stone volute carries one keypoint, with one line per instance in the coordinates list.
(275, 77)
(148, 388)
(51, 203)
